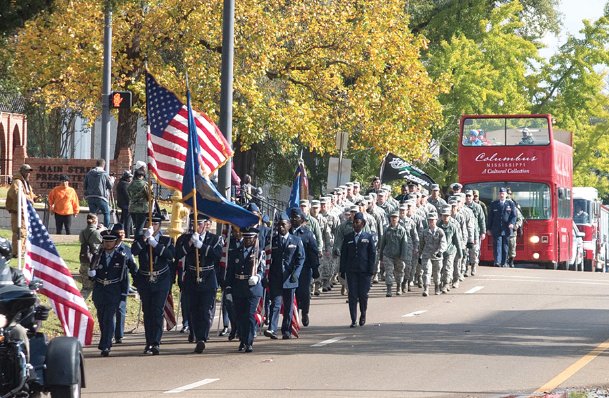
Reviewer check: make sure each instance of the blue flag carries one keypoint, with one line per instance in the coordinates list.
(300, 186)
(195, 184)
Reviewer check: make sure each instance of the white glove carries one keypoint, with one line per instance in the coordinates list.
(253, 280)
(153, 242)
(91, 273)
(195, 237)
(148, 233)
(198, 244)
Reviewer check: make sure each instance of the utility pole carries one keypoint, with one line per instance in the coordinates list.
(107, 83)
(226, 92)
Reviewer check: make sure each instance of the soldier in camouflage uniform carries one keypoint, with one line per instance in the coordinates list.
(412, 232)
(480, 230)
(329, 223)
(435, 198)
(472, 232)
(453, 246)
(393, 251)
(462, 232)
(433, 245)
(428, 207)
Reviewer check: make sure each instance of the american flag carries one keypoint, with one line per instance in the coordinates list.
(43, 261)
(168, 137)
(169, 313)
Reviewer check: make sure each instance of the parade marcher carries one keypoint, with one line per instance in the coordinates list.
(433, 245)
(472, 233)
(139, 202)
(63, 202)
(500, 225)
(327, 266)
(327, 241)
(244, 275)
(375, 185)
(312, 223)
(480, 231)
(90, 240)
(287, 260)
(357, 195)
(109, 271)
(153, 280)
(455, 188)
(98, 186)
(20, 185)
(481, 203)
(202, 251)
(310, 269)
(357, 263)
(453, 246)
(514, 235)
(226, 304)
(435, 199)
(403, 196)
(393, 251)
(121, 313)
(122, 200)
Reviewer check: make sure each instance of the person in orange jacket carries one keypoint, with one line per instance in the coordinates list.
(63, 202)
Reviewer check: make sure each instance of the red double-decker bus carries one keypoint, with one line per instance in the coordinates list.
(524, 154)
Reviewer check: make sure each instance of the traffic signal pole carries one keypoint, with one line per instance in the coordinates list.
(226, 92)
(107, 82)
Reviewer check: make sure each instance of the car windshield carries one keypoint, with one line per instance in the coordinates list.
(581, 211)
(505, 131)
(532, 198)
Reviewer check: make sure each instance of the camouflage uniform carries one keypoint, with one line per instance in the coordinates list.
(474, 252)
(412, 232)
(453, 246)
(394, 250)
(432, 245)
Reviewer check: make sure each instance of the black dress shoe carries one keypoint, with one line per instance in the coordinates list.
(286, 336)
(353, 325)
(241, 347)
(118, 341)
(305, 319)
(270, 333)
(362, 320)
(232, 335)
(200, 347)
(105, 352)
(148, 350)
(249, 348)
(223, 332)
(191, 338)
(155, 350)
(184, 329)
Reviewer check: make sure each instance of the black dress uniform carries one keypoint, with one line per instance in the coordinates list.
(244, 282)
(153, 287)
(109, 272)
(200, 292)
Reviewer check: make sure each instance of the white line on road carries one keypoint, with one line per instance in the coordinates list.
(329, 341)
(411, 314)
(474, 289)
(191, 386)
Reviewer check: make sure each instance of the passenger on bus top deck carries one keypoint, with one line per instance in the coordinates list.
(527, 137)
(473, 139)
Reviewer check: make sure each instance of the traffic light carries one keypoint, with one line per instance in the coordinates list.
(120, 99)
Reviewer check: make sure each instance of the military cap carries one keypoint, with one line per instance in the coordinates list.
(108, 236)
(296, 212)
(432, 216)
(461, 195)
(249, 232)
(283, 216)
(127, 174)
(117, 227)
(386, 187)
(435, 187)
(424, 192)
(315, 203)
(343, 187)
(372, 195)
(454, 198)
(412, 183)
(403, 206)
(359, 216)
(453, 202)
(394, 214)
(25, 168)
(349, 184)
(155, 218)
(324, 200)
(446, 211)
(502, 189)
(354, 208)
(200, 218)
(347, 210)
(455, 186)
(253, 207)
(411, 202)
(362, 203)
(356, 184)
(304, 202)
(469, 192)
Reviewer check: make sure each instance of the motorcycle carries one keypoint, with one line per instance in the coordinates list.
(54, 366)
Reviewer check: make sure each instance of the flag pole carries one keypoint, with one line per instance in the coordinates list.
(151, 265)
(191, 148)
(19, 222)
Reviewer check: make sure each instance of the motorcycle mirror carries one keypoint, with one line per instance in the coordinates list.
(36, 284)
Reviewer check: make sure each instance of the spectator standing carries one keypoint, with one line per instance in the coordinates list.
(21, 183)
(139, 196)
(63, 202)
(98, 186)
(122, 200)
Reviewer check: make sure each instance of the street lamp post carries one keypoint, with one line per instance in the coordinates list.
(226, 92)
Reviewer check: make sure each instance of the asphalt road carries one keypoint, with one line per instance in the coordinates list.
(505, 332)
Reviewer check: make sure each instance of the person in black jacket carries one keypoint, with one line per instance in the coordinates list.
(122, 200)
(310, 269)
(357, 259)
(200, 281)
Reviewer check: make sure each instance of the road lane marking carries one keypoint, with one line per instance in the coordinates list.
(416, 313)
(574, 368)
(329, 341)
(191, 386)
(562, 281)
(474, 289)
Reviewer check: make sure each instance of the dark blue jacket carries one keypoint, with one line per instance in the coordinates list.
(310, 246)
(162, 261)
(286, 261)
(209, 259)
(239, 269)
(358, 258)
(111, 277)
(500, 216)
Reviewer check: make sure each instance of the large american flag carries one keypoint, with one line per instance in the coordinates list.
(168, 137)
(43, 261)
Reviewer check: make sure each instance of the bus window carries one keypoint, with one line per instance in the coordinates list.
(533, 198)
(505, 131)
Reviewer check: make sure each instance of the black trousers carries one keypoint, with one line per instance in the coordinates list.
(153, 297)
(201, 304)
(245, 311)
(303, 291)
(359, 287)
(63, 221)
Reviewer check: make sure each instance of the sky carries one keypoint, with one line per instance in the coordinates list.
(573, 13)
